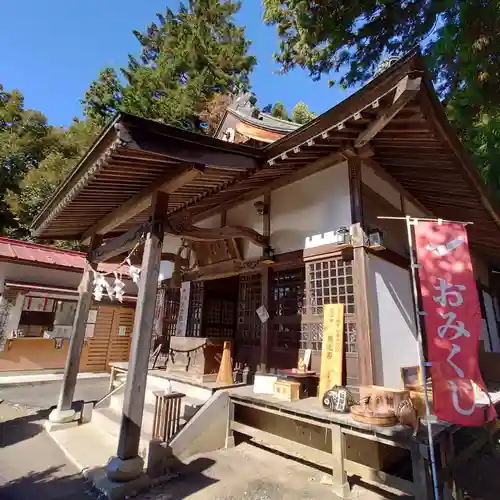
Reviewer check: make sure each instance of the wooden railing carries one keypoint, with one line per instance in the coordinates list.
(167, 416)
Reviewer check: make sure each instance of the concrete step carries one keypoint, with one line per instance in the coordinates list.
(108, 420)
(85, 445)
(156, 383)
(189, 407)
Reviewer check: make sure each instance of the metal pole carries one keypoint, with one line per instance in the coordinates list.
(421, 354)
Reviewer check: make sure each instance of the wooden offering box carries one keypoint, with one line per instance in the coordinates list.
(308, 381)
(286, 390)
(196, 358)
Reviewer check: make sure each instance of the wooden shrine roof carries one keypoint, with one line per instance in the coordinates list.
(417, 147)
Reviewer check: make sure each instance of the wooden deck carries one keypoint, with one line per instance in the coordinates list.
(333, 441)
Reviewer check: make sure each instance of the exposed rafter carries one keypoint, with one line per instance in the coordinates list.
(405, 91)
(169, 182)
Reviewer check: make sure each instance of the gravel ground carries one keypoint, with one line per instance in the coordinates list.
(32, 467)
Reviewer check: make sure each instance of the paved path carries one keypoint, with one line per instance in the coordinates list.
(32, 467)
(46, 395)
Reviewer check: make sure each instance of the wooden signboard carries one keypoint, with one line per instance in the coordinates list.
(182, 317)
(332, 351)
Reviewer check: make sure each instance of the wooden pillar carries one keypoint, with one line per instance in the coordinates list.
(360, 275)
(128, 465)
(340, 484)
(362, 307)
(264, 332)
(64, 412)
(355, 189)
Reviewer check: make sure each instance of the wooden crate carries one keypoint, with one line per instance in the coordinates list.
(286, 390)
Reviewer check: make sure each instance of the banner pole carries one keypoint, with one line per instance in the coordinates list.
(421, 354)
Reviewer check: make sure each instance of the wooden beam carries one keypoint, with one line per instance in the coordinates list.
(119, 245)
(406, 90)
(172, 180)
(194, 153)
(137, 258)
(184, 228)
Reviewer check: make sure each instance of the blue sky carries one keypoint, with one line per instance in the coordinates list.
(51, 50)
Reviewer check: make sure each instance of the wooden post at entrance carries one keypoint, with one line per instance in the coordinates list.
(361, 302)
(264, 333)
(63, 412)
(128, 465)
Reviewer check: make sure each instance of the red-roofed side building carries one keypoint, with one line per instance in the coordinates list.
(38, 297)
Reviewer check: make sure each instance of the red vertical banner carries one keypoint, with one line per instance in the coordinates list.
(452, 322)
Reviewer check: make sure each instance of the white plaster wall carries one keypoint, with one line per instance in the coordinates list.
(41, 276)
(313, 206)
(170, 244)
(392, 318)
(20, 273)
(246, 215)
(380, 186)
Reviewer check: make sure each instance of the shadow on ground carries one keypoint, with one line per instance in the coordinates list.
(21, 428)
(43, 485)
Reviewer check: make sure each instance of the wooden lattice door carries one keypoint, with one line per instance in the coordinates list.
(285, 308)
(219, 307)
(330, 281)
(249, 327)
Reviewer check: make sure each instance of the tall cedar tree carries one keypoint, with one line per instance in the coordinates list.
(459, 39)
(187, 58)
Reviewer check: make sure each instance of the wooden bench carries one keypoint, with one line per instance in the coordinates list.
(302, 429)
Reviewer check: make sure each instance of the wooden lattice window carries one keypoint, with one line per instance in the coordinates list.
(328, 282)
(197, 290)
(249, 300)
(172, 301)
(286, 303)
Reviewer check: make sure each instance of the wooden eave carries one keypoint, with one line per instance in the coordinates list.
(131, 155)
(416, 147)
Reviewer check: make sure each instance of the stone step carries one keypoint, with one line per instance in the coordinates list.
(108, 420)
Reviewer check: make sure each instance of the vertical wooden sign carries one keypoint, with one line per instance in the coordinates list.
(182, 318)
(332, 351)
